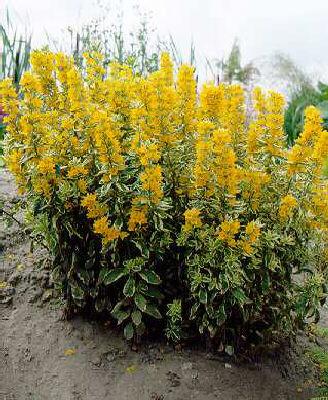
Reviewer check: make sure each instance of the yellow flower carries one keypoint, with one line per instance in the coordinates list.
(76, 171)
(138, 217)
(148, 154)
(146, 143)
(301, 154)
(252, 234)
(30, 82)
(95, 209)
(101, 227)
(228, 230)
(287, 206)
(167, 68)
(265, 133)
(186, 90)
(253, 183)
(192, 219)
(151, 180)
(46, 165)
(82, 185)
(252, 231)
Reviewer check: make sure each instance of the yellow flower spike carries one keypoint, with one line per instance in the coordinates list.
(82, 185)
(167, 68)
(306, 148)
(138, 217)
(93, 207)
(101, 227)
(192, 219)
(186, 90)
(77, 171)
(251, 237)
(211, 101)
(30, 82)
(228, 230)
(287, 206)
(151, 182)
(46, 165)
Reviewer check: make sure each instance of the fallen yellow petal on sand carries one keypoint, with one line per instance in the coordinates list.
(70, 352)
(3, 284)
(131, 369)
(20, 267)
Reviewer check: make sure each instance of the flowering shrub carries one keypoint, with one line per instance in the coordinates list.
(171, 210)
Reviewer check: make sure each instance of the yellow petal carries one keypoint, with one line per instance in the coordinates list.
(70, 352)
(131, 369)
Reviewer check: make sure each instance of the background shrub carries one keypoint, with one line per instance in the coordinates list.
(164, 206)
(15, 50)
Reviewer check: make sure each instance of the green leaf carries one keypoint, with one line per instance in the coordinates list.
(112, 276)
(117, 307)
(202, 296)
(144, 251)
(129, 287)
(100, 304)
(239, 295)
(84, 276)
(77, 292)
(265, 284)
(154, 292)
(229, 350)
(140, 329)
(193, 310)
(136, 317)
(120, 315)
(93, 292)
(102, 275)
(153, 311)
(140, 302)
(221, 315)
(129, 331)
(150, 277)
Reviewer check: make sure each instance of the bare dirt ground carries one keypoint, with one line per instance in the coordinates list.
(45, 358)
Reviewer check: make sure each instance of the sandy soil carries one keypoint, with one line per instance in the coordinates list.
(45, 358)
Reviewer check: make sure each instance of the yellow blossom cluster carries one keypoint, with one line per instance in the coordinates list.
(265, 134)
(302, 154)
(252, 234)
(138, 217)
(77, 170)
(101, 226)
(151, 179)
(215, 165)
(192, 219)
(123, 147)
(94, 208)
(287, 206)
(253, 182)
(228, 231)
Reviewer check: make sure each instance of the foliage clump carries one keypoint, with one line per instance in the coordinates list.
(166, 207)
